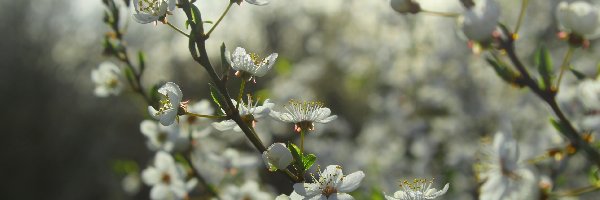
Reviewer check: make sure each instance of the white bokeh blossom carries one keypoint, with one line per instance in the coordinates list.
(304, 114)
(249, 65)
(504, 174)
(249, 112)
(578, 17)
(248, 191)
(480, 21)
(196, 127)
(107, 79)
(277, 156)
(165, 138)
(418, 189)
(167, 178)
(147, 11)
(332, 185)
(169, 104)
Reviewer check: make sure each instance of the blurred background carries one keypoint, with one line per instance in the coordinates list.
(412, 99)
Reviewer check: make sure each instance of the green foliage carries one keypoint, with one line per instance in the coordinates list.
(142, 61)
(504, 72)
(308, 161)
(594, 176)
(125, 167)
(559, 126)
(217, 98)
(580, 76)
(543, 61)
(224, 63)
(298, 157)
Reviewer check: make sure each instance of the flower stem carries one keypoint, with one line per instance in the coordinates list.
(302, 142)
(441, 14)
(549, 97)
(578, 191)
(524, 4)
(178, 30)
(206, 116)
(564, 65)
(219, 20)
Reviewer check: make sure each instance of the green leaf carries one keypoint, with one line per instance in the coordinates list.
(217, 98)
(544, 66)
(297, 155)
(197, 18)
(129, 74)
(224, 61)
(309, 160)
(559, 126)
(504, 72)
(594, 176)
(142, 61)
(580, 76)
(125, 166)
(155, 96)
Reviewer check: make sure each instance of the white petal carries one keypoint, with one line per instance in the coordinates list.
(101, 91)
(351, 182)
(163, 161)
(266, 65)
(307, 189)
(172, 4)
(282, 116)
(258, 2)
(331, 174)
(168, 117)
(151, 176)
(149, 128)
(160, 191)
(153, 112)
(340, 196)
(144, 18)
(224, 125)
(171, 87)
(328, 119)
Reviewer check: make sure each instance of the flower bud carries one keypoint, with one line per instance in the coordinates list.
(277, 156)
(479, 22)
(578, 17)
(405, 6)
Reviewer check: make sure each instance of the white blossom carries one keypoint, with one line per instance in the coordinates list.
(304, 114)
(277, 156)
(250, 64)
(166, 138)
(505, 176)
(169, 104)
(147, 11)
(332, 185)
(107, 79)
(589, 94)
(197, 127)
(167, 178)
(257, 2)
(232, 161)
(578, 17)
(479, 22)
(131, 183)
(248, 191)
(418, 189)
(248, 111)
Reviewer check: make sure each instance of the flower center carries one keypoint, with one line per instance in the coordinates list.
(256, 59)
(149, 6)
(166, 178)
(112, 83)
(304, 125)
(161, 137)
(165, 104)
(329, 190)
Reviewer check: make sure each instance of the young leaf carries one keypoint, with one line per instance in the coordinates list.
(580, 76)
(504, 72)
(142, 61)
(309, 160)
(197, 17)
(297, 155)
(224, 61)
(544, 65)
(216, 97)
(559, 126)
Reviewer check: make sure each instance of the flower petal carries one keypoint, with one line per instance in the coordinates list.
(168, 117)
(160, 191)
(340, 196)
(351, 182)
(224, 125)
(151, 176)
(258, 2)
(307, 189)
